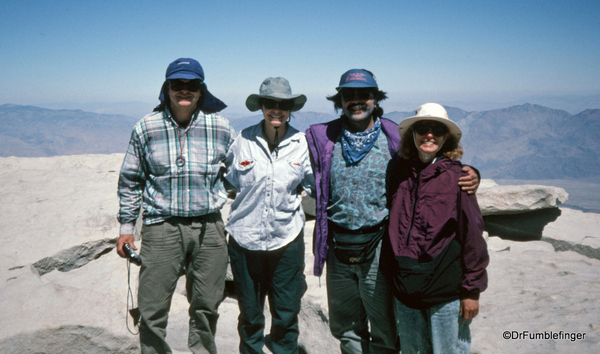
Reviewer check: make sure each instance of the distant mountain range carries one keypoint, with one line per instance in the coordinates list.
(520, 142)
(28, 131)
(530, 141)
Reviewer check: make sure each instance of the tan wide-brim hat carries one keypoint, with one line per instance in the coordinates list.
(431, 111)
(275, 88)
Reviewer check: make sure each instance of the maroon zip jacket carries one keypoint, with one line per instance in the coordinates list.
(424, 218)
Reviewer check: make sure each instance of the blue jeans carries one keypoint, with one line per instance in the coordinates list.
(278, 274)
(359, 295)
(438, 329)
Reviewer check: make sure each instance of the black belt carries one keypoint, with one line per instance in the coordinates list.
(201, 218)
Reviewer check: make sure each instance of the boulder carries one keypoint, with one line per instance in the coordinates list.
(494, 199)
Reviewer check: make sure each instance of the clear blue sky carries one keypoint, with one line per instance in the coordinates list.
(441, 51)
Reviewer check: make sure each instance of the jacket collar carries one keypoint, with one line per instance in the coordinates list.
(434, 169)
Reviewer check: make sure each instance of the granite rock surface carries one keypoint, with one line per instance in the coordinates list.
(64, 289)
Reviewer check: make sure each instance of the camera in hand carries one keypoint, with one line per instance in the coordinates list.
(131, 255)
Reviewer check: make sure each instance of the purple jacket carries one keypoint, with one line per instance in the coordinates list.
(423, 218)
(321, 140)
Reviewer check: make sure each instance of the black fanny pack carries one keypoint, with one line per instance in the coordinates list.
(356, 246)
(424, 284)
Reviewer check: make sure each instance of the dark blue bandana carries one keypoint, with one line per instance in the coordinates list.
(356, 145)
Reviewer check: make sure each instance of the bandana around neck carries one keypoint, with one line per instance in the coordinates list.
(356, 145)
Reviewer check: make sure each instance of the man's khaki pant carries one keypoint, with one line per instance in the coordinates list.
(196, 248)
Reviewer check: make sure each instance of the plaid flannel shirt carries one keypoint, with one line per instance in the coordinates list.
(150, 177)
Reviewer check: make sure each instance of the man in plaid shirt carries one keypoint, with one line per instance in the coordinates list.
(172, 171)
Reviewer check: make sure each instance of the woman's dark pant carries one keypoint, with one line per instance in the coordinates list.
(278, 274)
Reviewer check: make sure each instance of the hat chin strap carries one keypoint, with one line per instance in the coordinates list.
(427, 157)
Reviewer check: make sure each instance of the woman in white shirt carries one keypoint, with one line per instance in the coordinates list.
(267, 164)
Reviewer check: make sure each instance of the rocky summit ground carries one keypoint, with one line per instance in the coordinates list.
(63, 289)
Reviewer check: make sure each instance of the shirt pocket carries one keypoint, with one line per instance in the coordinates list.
(202, 156)
(295, 173)
(158, 160)
(246, 172)
(374, 189)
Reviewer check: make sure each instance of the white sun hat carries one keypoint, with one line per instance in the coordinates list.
(431, 111)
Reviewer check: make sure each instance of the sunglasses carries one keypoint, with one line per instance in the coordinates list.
(438, 129)
(286, 105)
(192, 85)
(360, 95)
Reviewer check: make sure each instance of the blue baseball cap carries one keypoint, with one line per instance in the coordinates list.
(190, 69)
(357, 78)
(185, 68)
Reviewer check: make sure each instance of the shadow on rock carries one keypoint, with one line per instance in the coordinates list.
(69, 340)
(520, 227)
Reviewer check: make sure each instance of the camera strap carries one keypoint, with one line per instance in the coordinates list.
(134, 312)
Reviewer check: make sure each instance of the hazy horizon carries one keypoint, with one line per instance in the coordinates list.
(138, 109)
(471, 55)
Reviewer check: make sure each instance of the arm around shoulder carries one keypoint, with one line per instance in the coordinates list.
(469, 182)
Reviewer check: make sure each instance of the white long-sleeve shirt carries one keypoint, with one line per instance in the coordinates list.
(267, 211)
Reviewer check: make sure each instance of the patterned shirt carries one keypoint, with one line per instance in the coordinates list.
(152, 178)
(358, 194)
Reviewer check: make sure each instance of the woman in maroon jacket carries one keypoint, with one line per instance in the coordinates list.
(437, 255)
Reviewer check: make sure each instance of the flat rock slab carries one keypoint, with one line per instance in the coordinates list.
(494, 199)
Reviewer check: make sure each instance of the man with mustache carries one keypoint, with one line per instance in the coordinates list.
(172, 171)
(350, 156)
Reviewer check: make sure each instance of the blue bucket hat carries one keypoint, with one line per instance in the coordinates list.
(190, 69)
(357, 78)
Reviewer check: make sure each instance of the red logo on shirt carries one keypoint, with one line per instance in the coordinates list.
(296, 164)
(245, 163)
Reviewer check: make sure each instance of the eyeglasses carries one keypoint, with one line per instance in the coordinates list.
(438, 129)
(192, 85)
(359, 94)
(285, 105)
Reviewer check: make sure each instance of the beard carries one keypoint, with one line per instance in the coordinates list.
(359, 111)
